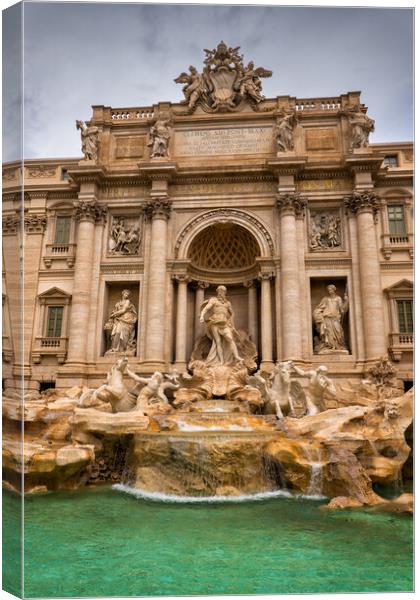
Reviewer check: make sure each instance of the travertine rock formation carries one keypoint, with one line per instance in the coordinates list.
(218, 449)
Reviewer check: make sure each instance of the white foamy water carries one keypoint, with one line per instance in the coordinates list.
(159, 497)
(232, 427)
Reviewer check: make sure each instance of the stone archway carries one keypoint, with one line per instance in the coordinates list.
(222, 216)
(224, 246)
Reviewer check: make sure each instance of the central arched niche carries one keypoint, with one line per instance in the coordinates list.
(224, 247)
(223, 253)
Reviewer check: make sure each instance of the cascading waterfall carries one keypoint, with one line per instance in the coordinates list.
(315, 460)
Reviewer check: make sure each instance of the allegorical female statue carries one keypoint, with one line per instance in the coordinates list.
(121, 326)
(217, 314)
(90, 140)
(328, 318)
(159, 137)
(284, 131)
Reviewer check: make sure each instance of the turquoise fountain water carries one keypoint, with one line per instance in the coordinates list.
(106, 542)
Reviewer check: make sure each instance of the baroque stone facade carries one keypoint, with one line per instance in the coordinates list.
(273, 198)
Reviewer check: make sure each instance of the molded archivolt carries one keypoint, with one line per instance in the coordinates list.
(223, 247)
(250, 231)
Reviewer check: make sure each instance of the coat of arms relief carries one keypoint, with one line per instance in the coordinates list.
(224, 82)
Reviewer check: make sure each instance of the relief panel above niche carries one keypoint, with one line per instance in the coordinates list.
(124, 236)
(325, 231)
(132, 146)
(321, 139)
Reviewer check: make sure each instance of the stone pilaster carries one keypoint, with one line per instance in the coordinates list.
(87, 213)
(158, 209)
(252, 311)
(181, 322)
(365, 205)
(291, 207)
(266, 320)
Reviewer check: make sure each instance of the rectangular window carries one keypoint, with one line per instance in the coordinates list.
(396, 219)
(405, 316)
(62, 230)
(391, 161)
(54, 321)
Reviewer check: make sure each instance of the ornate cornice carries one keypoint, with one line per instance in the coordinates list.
(158, 208)
(291, 203)
(35, 223)
(362, 201)
(90, 211)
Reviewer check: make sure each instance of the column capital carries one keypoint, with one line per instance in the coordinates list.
(158, 208)
(35, 223)
(291, 203)
(181, 278)
(249, 284)
(362, 201)
(90, 210)
(11, 223)
(203, 285)
(266, 275)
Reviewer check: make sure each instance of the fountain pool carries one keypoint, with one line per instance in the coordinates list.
(104, 542)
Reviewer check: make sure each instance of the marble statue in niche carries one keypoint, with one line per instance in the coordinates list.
(120, 327)
(124, 238)
(217, 314)
(159, 137)
(90, 140)
(325, 232)
(328, 318)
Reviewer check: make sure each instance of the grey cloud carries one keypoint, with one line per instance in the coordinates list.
(79, 54)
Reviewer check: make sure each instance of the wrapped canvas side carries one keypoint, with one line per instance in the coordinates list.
(12, 298)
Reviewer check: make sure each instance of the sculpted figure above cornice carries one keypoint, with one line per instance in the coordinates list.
(362, 201)
(361, 126)
(292, 203)
(90, 140)
(159, 137)
(224, 82)
(158, 208)
(90, 211)
(284, 131)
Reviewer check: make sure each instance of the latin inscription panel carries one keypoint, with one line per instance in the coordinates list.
(224, 141)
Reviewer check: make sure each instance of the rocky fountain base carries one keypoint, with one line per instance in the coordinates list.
(210, 448)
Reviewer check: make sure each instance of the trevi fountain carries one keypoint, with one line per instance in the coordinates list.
(219, 434)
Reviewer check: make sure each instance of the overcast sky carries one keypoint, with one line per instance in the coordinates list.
(121, 55)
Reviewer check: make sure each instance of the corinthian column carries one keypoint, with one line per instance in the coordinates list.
(291, 206)
(199, 299)
(87, 213)
(158, 210)
(266, 320)
(181, 322)
(252, 311)
(365, 205)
